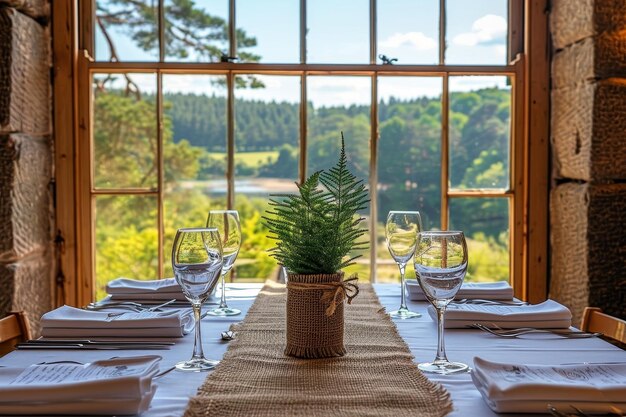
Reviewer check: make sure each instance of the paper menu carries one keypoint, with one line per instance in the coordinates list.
(67, 373)
(583, 382)
(117, 378)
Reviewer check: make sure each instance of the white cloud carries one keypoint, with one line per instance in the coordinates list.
(485, 30)
(415, 40)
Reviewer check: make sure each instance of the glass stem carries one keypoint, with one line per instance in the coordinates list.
(403, 286)
(197, 345)
(223, 299)
(441, 346)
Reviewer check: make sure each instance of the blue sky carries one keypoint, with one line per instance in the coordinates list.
(338, 31)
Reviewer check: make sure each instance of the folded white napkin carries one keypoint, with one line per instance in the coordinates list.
(500, 290)
(133, 289)
(547, 315)
(112, 386)
(68, 321)
(516, 388)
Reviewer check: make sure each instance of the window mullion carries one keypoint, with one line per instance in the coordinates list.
(161, 30)
(442, 32)
(444, 153)
(232, 29)
(302, 31)
(373, 175)
(302, 166)
(160, 173)
(373, 32)
(230, 147)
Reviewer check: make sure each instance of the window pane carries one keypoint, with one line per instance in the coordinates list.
(268, 41)
(485, 222)
(338, 31)
(196, 30)
(126, 239)
(409, 31)
(125, 131)
(194, 152)
(480, 132)
(476, 32)
(267, 154)
(341, 104)
(409, 158)
(127, 30)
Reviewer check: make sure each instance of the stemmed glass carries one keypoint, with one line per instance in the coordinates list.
(441, 264)
(227, 223)
(401, 235)
(197, 262)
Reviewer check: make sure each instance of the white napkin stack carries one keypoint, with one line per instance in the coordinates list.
(133, 289)
(500, 290)
(73, 322)
(107, 387)
(594, 388)
(547, 315)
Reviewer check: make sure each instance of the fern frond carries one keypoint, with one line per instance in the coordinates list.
(316, 229)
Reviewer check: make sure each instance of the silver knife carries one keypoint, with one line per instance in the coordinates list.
(27, 345)
(97, 342)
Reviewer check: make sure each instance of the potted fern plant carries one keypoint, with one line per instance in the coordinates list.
(316, 230)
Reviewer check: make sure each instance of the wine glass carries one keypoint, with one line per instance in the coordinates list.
(441, 264)
(197, 261)
(401, 235)
(227, 222)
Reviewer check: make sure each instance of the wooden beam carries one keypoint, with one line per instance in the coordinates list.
(537, 89)
(64, 59)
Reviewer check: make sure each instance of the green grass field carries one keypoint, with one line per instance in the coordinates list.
(251, 159)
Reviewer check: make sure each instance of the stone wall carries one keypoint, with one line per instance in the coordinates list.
(588, 133)
(25, 159)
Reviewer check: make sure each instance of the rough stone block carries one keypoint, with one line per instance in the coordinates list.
(603, 56)
(24, 74)
(589, 247)
(571, 21)
(25, 202)
(574, 20)
(37, 9)
(588, 127)
(29, 283)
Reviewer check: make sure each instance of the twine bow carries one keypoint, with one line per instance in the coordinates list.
(334, 293)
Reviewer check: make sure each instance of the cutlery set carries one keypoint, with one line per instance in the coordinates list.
(479, 301)
(575, 412)
(520, 331)
(86, 344)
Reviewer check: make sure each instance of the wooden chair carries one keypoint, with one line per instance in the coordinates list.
(14, 328)
(594, 320)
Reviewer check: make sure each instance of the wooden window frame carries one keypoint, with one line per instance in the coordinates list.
(73, 47)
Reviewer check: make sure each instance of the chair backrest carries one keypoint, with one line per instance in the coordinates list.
(14, 329)
(594, 320)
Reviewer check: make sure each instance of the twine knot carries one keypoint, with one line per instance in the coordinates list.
(334, 293)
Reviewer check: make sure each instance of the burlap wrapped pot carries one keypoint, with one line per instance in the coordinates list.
(315, 315)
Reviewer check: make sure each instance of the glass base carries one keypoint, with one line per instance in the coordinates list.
(225, 311)
(197, 365)
(404, 313)
(443, 367)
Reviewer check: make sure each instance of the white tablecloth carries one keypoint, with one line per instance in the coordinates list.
(175, 388)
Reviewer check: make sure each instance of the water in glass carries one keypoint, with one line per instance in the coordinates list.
(197, 262)
(401, 235)
(227, 223)
(440, 265)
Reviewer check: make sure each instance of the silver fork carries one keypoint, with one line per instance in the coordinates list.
(498, 331)
(130, 305)
(480, 301)
(576, 412)
(143, 309)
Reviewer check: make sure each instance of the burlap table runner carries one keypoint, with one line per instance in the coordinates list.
(377, 377)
